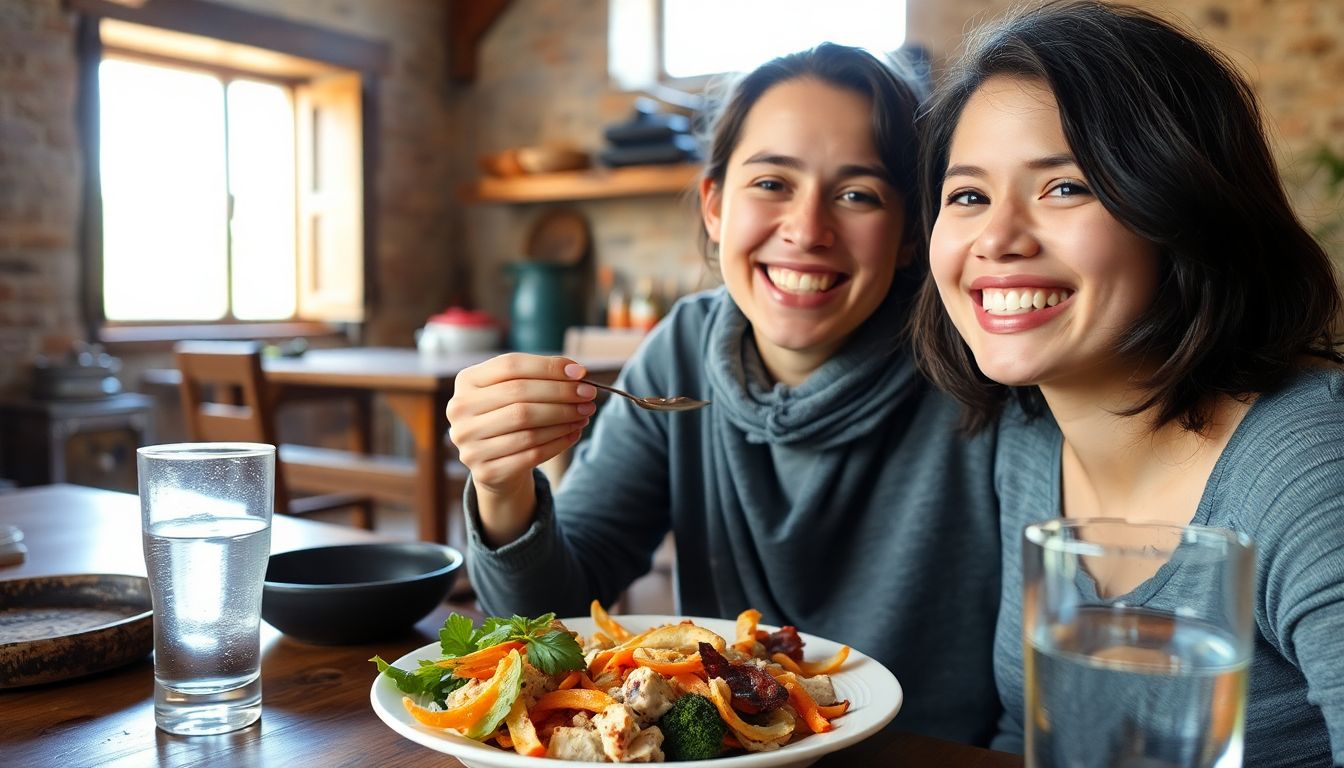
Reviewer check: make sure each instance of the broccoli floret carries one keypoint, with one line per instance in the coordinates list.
(692, 729)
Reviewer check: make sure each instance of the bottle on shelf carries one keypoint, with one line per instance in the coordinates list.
(644, 309)
(618, 309)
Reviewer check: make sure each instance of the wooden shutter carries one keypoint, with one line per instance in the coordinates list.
(330, 204)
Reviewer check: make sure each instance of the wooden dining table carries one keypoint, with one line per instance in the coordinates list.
(415, 386)
(316, 706)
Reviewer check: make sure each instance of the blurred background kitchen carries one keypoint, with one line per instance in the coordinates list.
(328, 173)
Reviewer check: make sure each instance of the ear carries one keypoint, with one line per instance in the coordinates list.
(711, 207)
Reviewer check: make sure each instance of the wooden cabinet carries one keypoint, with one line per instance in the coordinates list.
(591, 184)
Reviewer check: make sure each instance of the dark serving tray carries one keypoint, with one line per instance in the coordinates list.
(58, 627)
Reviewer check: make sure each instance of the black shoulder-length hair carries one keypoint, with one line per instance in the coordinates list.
(1170, 138)
(892, 85)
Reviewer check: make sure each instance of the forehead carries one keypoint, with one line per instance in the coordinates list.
(1009, 114)
(808, 113)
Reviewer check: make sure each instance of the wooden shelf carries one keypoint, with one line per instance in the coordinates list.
(593, 184)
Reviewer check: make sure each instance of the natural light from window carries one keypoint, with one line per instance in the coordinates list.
(704, 37)
(166, 179)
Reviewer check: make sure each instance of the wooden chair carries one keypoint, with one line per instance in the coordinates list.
(225, 399)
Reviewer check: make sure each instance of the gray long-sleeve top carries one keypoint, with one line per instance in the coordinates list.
(847, 506)
(1281, 480)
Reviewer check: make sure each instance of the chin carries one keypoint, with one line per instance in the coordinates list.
(1009, 373)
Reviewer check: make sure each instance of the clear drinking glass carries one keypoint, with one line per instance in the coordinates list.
(1136, 641)
(205, 511)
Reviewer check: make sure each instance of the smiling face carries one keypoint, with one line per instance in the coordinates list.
(1038, 277)
(807, 223)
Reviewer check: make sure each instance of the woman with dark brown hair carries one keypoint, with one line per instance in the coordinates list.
(1119, 283)
(826, 485)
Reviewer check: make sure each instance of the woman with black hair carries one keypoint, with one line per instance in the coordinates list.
(1118, 282)
(826, 486)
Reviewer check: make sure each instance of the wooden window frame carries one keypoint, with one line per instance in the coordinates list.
(369, 58)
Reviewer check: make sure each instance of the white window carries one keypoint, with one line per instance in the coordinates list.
(231, 183)
(654, 41)
(198, 182)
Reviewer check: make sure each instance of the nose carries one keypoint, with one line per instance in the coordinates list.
(807, 222)
(1007, 234)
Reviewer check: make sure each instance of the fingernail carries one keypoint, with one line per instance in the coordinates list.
(587, 409)
(574, 371)
(586, 390)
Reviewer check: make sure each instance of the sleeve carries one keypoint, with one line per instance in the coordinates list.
(1300, 538)
(599, 531)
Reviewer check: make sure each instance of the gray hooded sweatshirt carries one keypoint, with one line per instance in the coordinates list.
(848, 506)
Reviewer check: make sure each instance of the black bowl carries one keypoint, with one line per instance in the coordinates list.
(356, 593)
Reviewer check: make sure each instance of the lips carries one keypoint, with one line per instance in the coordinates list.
(1014, 303)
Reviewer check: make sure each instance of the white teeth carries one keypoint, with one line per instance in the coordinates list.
(800, 282)
(1019, 300)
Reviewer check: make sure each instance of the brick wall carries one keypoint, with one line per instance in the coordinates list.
(40, 167)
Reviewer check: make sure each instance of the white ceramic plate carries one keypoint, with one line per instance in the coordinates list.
(873, 693)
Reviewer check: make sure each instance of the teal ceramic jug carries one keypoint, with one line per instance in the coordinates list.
(546, 301)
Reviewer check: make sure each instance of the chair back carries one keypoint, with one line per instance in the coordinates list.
(225, 398)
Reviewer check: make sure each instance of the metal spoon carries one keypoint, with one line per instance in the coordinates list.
(677, 403)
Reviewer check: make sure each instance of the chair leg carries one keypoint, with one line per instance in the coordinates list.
(363, 514)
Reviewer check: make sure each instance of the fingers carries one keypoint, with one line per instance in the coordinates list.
(513, 412)
(500, 467)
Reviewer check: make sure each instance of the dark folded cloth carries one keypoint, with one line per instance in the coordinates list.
(646, 128)
(676, 149)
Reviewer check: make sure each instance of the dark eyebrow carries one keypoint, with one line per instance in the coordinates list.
(793, 163)
(1040, 163)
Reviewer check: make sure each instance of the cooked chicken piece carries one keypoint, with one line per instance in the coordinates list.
(819, 688)
(463, 694)
(576, 744)
(534, 684)
(648, 694)
(646, 747)
(617, 727)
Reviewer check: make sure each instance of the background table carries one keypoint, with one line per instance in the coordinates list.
(315, 698)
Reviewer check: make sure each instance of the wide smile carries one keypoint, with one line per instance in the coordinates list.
(801, 287)
(1017, 308)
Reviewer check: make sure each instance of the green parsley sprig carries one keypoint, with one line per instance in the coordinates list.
(550, 650)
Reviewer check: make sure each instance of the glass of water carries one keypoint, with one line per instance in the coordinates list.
(1137, 639)
(205, 511)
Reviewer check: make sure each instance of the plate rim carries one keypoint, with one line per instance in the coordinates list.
(469, 751)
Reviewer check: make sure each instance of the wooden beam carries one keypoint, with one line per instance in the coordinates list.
(468, 21)
(237, 25)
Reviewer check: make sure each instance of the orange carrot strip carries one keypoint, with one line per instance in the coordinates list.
(573, 698)
(832, 711)
(485, 657)
(827, 667)
(691, 684)
(730, 741)
(621, 657)
(571, 680)
(787, 663)
(691, 665)
(746, 630)
(471, 711)
(607, 624)
(503, 740)
(587, 683)
(804, 704)
(522, 732)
